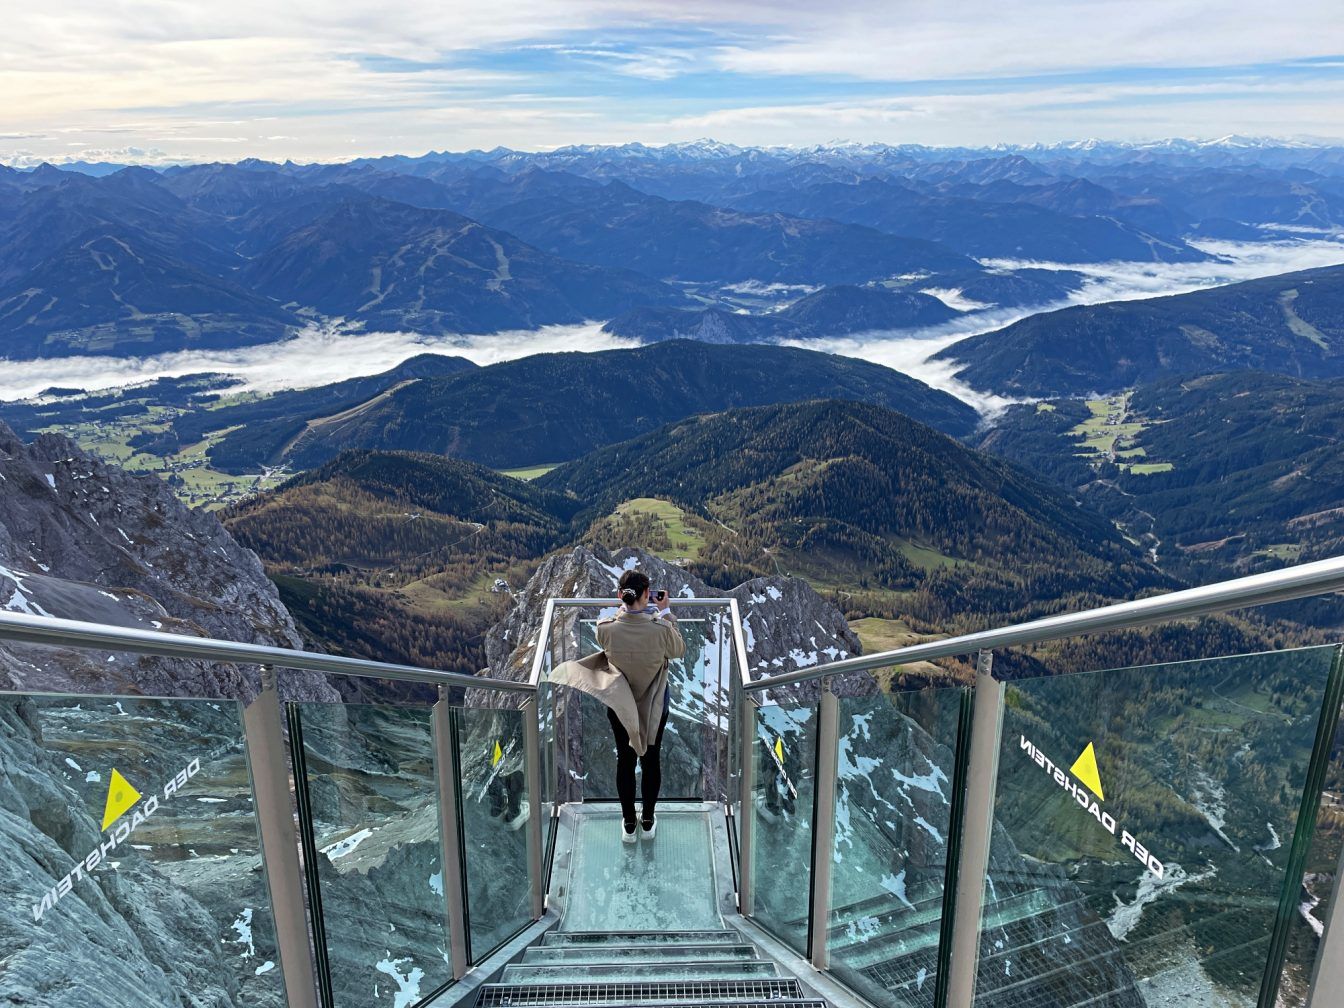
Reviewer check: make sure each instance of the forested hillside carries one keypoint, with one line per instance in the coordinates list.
(399, 556)
(865, 500)
(1221, 475)
(553, 407)
(1291, 324)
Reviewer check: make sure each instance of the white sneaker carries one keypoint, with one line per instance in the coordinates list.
(517, 821)
(647, 834)
(629, 835)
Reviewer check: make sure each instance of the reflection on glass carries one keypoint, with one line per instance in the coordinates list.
(369, 771)
(782, 803)
(1145, 819)
(134, 857)
(893, 819)
(492, 792)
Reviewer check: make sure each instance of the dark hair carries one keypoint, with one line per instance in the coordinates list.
(633, 584)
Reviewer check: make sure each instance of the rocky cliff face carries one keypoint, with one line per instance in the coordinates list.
(80, 539)
(177, 908)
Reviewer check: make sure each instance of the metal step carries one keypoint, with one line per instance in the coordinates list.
(578, 955)
(771, 992)
(591, 939)
(638, 973)
(785, 1003)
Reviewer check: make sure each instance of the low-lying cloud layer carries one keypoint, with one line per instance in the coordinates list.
(324, 354)
(319, 355)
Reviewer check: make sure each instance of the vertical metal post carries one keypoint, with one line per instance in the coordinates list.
(1328, 977)
(955, 829)
(746, 812)
(279, 841)
(1329, 970)
(823, 823)
(536, 875)
(446, 769)
(981, 784)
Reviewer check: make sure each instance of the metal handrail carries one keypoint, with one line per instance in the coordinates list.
(52, 632)
(1316, 578)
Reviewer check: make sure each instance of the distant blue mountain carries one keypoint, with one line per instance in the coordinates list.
(832, 311)
(107, 259)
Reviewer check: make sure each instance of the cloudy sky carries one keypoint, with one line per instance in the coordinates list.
(333, 79)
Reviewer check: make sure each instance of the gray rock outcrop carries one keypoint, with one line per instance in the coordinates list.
(176, 913)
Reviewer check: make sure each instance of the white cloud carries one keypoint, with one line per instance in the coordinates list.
(910, 351)
(341, 69)
(1126, 281)
(324, 354)
(318, 356)
(907, 40)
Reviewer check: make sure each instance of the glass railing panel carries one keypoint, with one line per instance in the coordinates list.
(893, 820)
(372, 800)
(134, 857)
(1144, 822)
(783, 797)
(493, 798)
(696, 723)
(1318, 884)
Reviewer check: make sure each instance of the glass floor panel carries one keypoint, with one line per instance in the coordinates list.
(666, 884)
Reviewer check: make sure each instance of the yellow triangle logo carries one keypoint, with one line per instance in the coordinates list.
(120, 797)
(1085, 769)
(779, 749)
(498, 755)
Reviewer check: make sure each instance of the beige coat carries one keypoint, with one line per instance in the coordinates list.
(629, 674)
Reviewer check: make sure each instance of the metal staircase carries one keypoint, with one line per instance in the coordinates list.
(502, 878)
(647, 969)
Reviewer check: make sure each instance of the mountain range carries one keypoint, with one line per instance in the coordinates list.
(137, 261)
(832, 311)
(1291, 324)
(550, 407)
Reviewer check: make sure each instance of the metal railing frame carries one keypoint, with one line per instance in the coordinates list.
(977, 808)
(1304, 580)
(1317, 578)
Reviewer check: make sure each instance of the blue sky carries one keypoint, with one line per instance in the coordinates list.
(180, 80)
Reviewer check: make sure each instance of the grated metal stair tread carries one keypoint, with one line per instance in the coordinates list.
(578, 955)
(590, 939)
(636, 972)
(670, 992)
(803, 1002)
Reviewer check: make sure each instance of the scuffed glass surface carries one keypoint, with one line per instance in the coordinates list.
(892, 822)
(375, 821)
(782, 801)
(1163, 888)
(133, 867)
(663, 884)
(494, 814)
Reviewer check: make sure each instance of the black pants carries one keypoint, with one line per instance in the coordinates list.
(650, 763)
